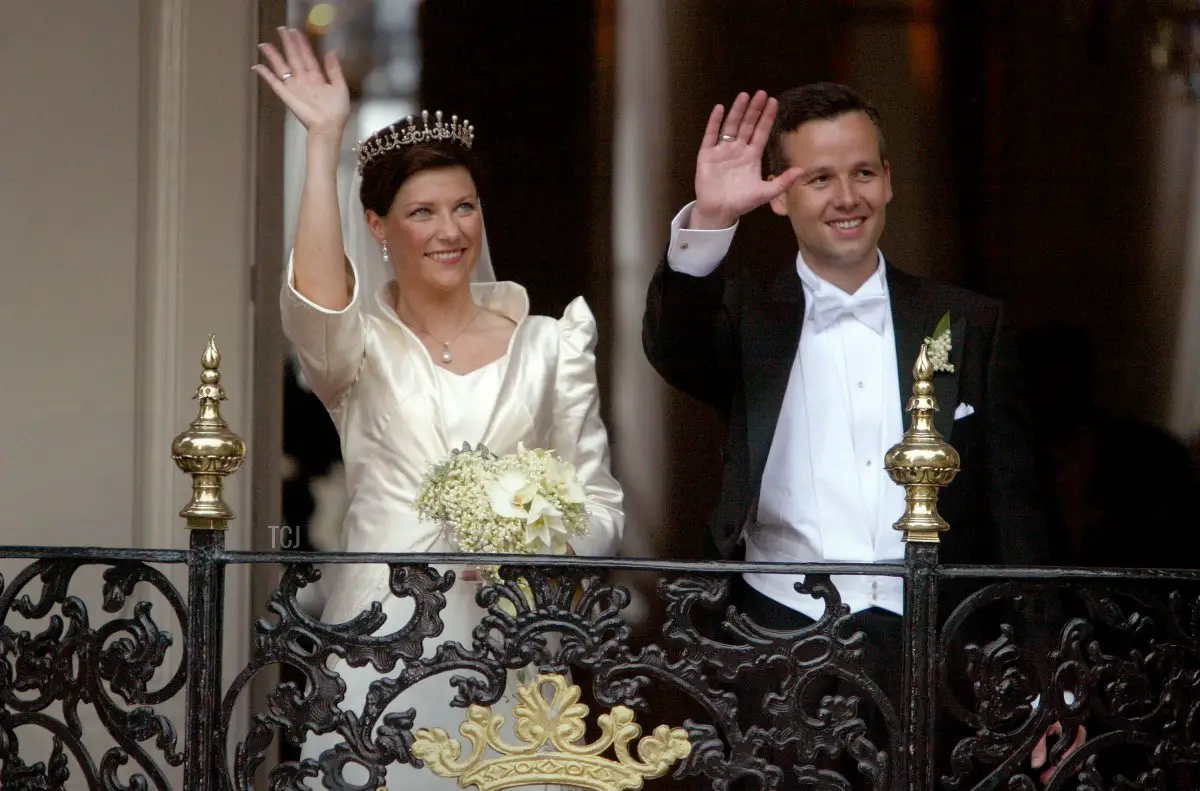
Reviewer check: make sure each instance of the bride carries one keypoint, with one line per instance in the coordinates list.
(441, 361)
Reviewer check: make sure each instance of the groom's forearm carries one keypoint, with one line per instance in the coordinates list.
(687, 334)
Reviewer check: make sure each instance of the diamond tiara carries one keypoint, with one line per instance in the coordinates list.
(407, 132)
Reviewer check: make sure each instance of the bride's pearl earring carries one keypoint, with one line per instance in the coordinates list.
(387, 258)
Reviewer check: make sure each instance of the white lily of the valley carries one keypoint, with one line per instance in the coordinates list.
(511, 494)
(560, 475)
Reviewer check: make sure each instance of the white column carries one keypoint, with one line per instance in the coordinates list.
(640, 217)
(1182, 128)
(194, 273)
(126, 197)
(640, 226)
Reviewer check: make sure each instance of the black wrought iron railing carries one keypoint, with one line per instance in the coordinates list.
(1116, 655)
(1013, 678)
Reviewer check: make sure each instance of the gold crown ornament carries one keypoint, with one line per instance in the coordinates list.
(550, 749)
(407, 132)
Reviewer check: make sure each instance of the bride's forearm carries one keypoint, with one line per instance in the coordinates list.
(319, 252)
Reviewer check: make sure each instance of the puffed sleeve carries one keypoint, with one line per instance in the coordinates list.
(329, 343)
(579, 435)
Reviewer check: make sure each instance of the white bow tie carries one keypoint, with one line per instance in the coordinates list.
(829, 306)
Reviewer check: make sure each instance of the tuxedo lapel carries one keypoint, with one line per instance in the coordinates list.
(771, 337)
(771, 330)
(914, 316)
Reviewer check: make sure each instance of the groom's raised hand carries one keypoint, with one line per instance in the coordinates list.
(729, 180)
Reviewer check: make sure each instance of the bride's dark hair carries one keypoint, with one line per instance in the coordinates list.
(383, 177)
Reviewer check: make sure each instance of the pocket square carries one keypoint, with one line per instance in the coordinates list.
(964, 410)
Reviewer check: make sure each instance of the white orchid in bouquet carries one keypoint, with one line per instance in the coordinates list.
(524, 503)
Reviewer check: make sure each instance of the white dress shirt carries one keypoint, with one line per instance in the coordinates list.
(825, 496)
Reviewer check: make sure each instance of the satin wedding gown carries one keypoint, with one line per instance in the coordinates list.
(396, 411)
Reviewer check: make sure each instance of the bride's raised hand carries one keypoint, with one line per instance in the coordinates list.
(317, 97)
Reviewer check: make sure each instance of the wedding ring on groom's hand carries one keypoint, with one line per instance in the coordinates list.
(287, 75)
(728, 139)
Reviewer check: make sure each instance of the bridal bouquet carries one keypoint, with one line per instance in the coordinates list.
(523, 503)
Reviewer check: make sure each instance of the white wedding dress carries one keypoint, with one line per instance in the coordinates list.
(397, 412)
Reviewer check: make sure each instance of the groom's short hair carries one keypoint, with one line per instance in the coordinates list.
(819, 101)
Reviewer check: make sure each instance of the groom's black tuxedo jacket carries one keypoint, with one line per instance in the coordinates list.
(731, 343)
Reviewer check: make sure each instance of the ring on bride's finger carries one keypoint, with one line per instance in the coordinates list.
(728, 139)
(287, 75)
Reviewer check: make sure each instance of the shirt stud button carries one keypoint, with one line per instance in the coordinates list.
(683, 245)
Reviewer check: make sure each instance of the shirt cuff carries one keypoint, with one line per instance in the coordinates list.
(694, 252)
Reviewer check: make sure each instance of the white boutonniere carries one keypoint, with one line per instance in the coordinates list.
(937, 347)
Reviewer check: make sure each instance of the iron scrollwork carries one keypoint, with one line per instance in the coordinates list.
(524, 611)
(1112, 673)
(560, 621)
(72, 662)
(775, 733)
(1113, 661)
(296, 639)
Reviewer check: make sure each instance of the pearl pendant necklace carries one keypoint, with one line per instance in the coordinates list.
(447, 357)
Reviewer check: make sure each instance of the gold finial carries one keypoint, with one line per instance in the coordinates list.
(559, 723)
(208, 450)
(923, 462)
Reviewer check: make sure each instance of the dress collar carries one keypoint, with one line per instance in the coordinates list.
(505, 297)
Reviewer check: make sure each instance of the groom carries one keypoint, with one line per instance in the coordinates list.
(811, 372)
